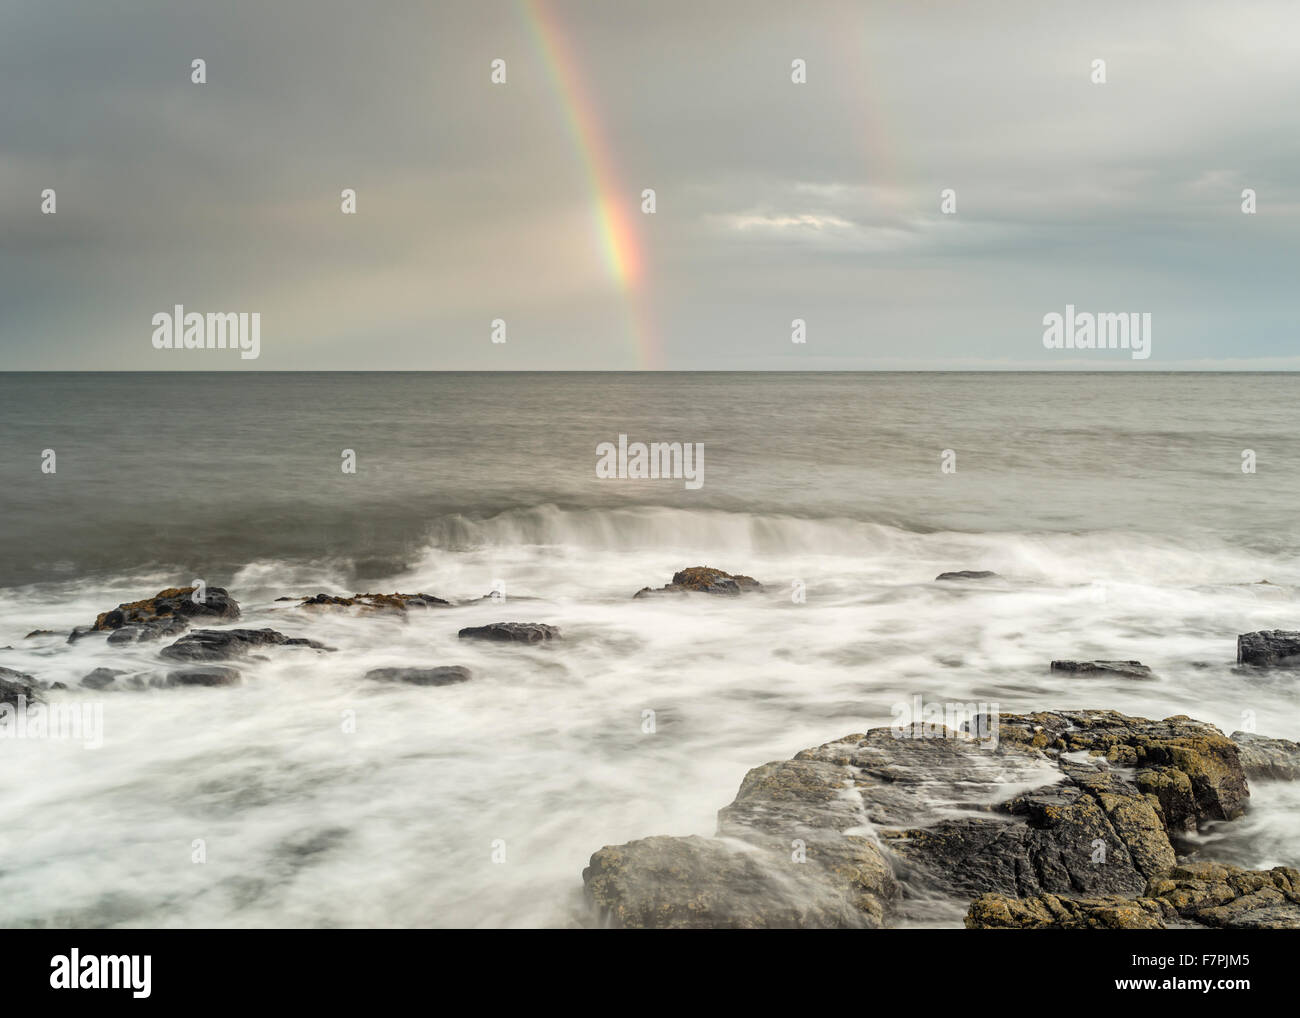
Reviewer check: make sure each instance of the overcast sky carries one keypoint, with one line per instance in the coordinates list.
(775, 200)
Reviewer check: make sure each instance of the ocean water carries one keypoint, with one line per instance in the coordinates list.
(1113, 506)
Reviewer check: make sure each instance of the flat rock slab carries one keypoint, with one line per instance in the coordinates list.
(1269, 648)
(704, 580)
(204, 675)
(394, 602)
(511, 632)
(1268, 759)
(968, 574)
(222, 644)
(442, 675)
(1129, 669)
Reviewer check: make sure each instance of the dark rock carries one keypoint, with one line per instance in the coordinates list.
(968, 574)
(1190, 767)
(1192, 895)
(58, 685)
(1269, 648)
(511, 632)
(1102, 794)
(704, 580)
(146, 632)
(377, 602)
(170, 609)
(204, 675)
(222, 644)
(101, 678)
(1129, 669)
(442, 675)
(40, 632)
(14, 684)
(1268, 759)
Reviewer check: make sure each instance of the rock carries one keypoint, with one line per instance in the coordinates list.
(1214, 894)
(101, 678)
(442, 675)
(1050, 911)
(204, 675)
(710, 883)
(377, 602)
(222, 644)
(1129, 669)
(14, 684)
(1193, 895)
(1267, 759)
(968, 574)
(40, 632)
(511, 632)
(1190, 767)
(1099, 795)
(169, 612)
(1046, 839)
(146, 632)
(1269, 648)
(704, 580)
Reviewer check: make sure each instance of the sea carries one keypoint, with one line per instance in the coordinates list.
(1135, 516)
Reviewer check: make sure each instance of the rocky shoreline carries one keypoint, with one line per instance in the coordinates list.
(862, 831)
(1052, 819)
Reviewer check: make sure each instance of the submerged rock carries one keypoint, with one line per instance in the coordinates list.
(1129, 669)
(146, 632)
(101, 678)
(1269, 648)
(204, 675)
(1192, 895)
(704, 580)
(1100, 795)
(40, 632)
(511, 632)
(169, 612)
(968, 574)
(221, 644)
(377, 602)
(441, 675)
(1268, 759)
(14, 684)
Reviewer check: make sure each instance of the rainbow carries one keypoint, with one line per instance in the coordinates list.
(614, 205)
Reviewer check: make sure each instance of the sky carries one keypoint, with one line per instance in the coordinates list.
(774, 200)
